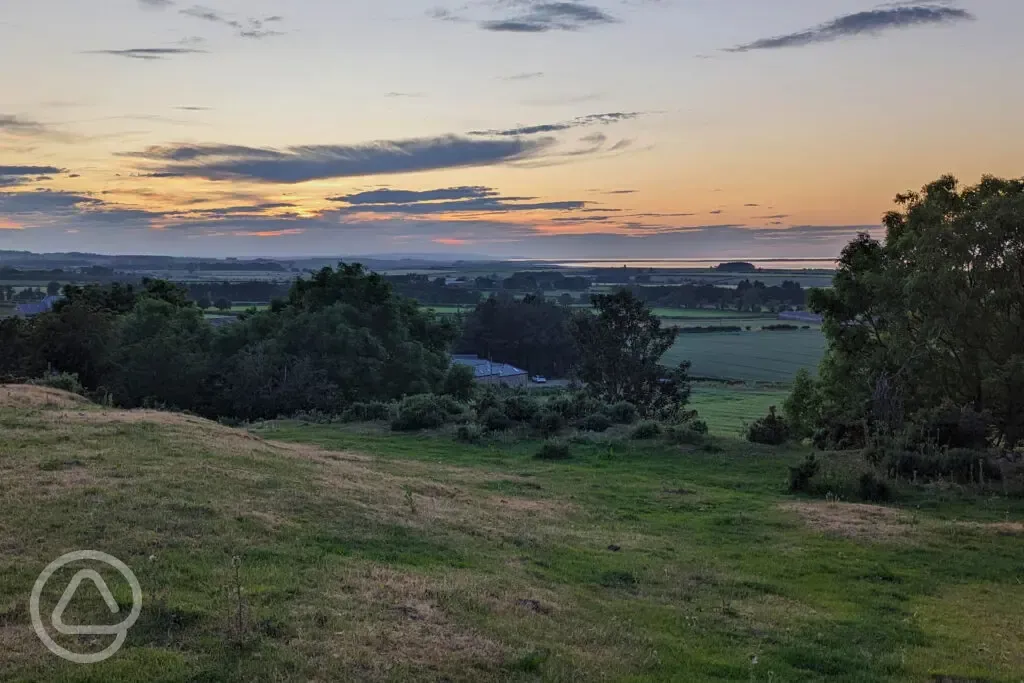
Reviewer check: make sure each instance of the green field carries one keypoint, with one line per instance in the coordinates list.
(353, 554)
(707, 313)
(755, 356)
(727, 409)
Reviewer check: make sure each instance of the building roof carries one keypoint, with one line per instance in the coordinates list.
(485, 368)
(37, 307)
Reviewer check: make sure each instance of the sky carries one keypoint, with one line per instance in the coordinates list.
(582, 129)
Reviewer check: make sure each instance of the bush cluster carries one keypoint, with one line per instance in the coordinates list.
(424, 411)
(65, 381)
(771, 429)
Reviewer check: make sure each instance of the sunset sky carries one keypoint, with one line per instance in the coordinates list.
(516, 128)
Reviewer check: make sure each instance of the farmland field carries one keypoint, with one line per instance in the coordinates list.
(727, 409)
(755, 356)
(707, 313)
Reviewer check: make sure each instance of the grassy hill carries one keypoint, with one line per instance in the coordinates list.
(319, 552)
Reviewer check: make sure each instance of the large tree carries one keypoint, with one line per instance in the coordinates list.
(934, 314)
(621, 343)
(532, 333)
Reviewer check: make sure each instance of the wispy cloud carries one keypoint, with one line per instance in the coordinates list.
(578, 122)
(250, 27)
(148, 53)
(388, 196)
(551, 16)
(29, 170)
(525, 76)
(156, 4)
(531, 16)
(871, 22)
(19, 126)
(470, 199)
(300, 164)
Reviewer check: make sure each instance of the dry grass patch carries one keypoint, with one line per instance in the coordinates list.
(31, 396)
(392, 622)
(856, 520)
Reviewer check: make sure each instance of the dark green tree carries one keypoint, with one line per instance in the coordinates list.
(621, 343)
(933, 314)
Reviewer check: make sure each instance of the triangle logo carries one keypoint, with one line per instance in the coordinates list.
(69, 594)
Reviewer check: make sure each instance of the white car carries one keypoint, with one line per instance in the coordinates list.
(540, 380)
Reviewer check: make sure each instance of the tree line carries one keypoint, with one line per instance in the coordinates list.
(341, 337)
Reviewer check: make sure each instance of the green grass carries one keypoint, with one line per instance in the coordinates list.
(727, 409)
(754, 356)
(369, 556)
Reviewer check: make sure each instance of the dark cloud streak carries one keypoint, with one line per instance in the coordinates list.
(300, 164)
(871, 22)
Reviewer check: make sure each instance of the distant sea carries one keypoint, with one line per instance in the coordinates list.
(768, 264)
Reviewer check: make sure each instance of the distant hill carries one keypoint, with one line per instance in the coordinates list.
(736, 267)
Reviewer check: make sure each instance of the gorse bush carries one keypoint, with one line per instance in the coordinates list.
(65, 381)
(684, 435)
(598, 422)
(548, 422)
(800, 476)
(495, 420)
(423, 411)
(554, 450)
(872, 488)
(468, 433)
(367, 412)
(521, 408)
(950, 425)
(645, 430)
(771, 430)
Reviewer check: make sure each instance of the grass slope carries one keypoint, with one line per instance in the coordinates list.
(364, 555)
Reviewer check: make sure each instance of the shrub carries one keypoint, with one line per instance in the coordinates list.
(623, 413)
(645, 430)
(367, 412)
(459, 382)
(487, 399)
(952, 426)
(65, 381)
(683, 434)
(314, 416)
(698, 426)
(423, 411)
(521, 408)
(548, 423)
(871, 488)
(554, 450)
(801, 407)
(800, 476)
(598, 422)
(840, 434)
(495, 420)
(770, 430)
(468, 434)
(563, 405)
(959, 464)
(584, 404)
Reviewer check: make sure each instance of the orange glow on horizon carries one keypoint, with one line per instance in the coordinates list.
(269, 233)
